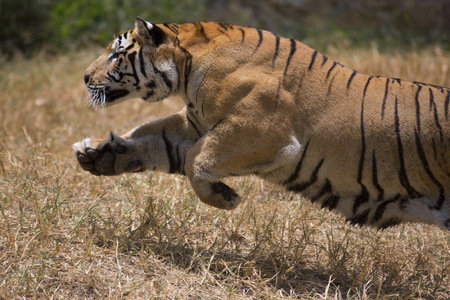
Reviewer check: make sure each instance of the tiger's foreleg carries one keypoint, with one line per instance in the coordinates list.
(160, 145)
(221, 153)
(203, 168)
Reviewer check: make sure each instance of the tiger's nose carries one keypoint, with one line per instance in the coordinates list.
(86, 78)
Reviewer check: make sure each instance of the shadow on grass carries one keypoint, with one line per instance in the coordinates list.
(248, 271)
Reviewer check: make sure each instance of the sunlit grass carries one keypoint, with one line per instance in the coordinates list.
(67, 234)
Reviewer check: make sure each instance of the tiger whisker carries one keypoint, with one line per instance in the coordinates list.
(96, 97)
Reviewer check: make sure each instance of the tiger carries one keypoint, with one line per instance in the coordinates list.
(374, 149)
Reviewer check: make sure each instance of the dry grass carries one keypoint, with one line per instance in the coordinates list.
(65, 234)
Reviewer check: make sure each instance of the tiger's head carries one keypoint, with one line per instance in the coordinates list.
(137, 64)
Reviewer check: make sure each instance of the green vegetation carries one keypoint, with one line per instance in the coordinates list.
(58, 25)
(67, 23)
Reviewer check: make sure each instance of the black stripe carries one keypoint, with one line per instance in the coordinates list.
(436, 116)
(197, 95)
(363, 151)
(166, 80)
(430, 174)
(440, 88)
(418, 107)
(148, 95)
(294, 175)
(403, 177)
(119, 62)
(330, 85)
(187, 67)
(351, 78)
(326, 189)
(193, 123)
(203, 105)
(194, 126)
(142, 63)
(331, 202)
(447, 100)
(431, 96)
(375, 177)
(163, 75)
(367, 84)
(324, 59)
(363, 143)
(399, 81)
(225, 26)
(300, 187)
(150, 85)
(128, 48)
(385, 97)
(313, 58)
(132, 58)
(260, 33)
(197, 98)
(277, 48)
(364, 195)
(202, 31)
(293, 49)
(329, 71)
(433, 145)
(243, 35)
(169, 151)
(362, 198)
(389, 223)
(109, 76)
(217, 124)
(224, 32)
(360, 219)
(382, 207)
(174, 30)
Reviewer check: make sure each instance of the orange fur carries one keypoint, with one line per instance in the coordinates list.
(375, 149)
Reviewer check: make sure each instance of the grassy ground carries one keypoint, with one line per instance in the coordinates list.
(66, 234)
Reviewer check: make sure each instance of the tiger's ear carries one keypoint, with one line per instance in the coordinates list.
(149, 32)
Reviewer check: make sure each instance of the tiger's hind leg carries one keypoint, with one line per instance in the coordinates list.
(403, 210)
(425, 211)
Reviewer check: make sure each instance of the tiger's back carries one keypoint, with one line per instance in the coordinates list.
(374, 149)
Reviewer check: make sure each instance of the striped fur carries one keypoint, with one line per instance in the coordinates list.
(375, 149)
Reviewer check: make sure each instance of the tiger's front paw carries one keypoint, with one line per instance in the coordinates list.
(103, 158)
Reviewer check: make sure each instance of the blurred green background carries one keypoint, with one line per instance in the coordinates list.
(56, 25)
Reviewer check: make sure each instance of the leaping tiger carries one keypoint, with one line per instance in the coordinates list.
(375, 149)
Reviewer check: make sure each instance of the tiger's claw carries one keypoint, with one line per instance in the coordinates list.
(100, 158)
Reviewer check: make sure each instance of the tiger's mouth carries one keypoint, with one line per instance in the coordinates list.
(111, 95)
(102, 96)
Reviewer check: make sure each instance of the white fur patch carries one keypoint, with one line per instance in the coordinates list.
(169, 68)
(82, 146)
(290, 152)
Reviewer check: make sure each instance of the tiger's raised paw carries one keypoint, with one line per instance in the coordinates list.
(100, 158)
